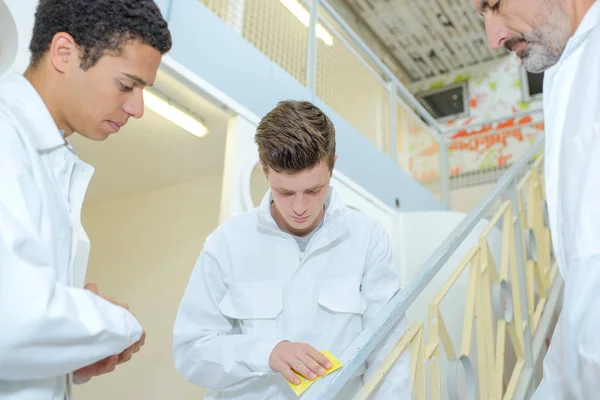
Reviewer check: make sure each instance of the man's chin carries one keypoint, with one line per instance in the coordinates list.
(97, 136)
(535, 66)
(537, 59)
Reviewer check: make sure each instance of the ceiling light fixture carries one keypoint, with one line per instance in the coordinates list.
(304, 17)
(174, 114)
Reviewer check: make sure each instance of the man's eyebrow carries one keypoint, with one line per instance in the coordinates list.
(137, 79)
(319, 186)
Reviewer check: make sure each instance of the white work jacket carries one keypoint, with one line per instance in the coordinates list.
(252, 288)
(572, 113)
(48, 328)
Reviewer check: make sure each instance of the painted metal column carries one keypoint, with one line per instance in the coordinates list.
(393, 116)
(518, 239)
(311, 57)
(241, 155)
(444, 170)
(235, 15)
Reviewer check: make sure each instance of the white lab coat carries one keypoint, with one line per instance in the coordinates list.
(252, 288)
(47, 327)
(572, 112)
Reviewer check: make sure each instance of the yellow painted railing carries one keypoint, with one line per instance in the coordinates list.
(493, 313)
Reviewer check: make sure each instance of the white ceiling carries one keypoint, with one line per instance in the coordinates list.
(152, 152)
(428, 37)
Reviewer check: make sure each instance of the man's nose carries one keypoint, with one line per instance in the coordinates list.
(299, 207)
(497, 31)
(135, 106)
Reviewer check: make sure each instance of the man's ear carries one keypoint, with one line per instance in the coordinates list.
(63, 52)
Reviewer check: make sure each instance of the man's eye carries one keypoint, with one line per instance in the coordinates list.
(125, 88)
(496, 6)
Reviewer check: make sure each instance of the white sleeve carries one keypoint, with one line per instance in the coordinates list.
(380, 283)
(47, 329)
(206, 350)
(572, 365)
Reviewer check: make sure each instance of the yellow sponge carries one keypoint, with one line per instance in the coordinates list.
(305, 383)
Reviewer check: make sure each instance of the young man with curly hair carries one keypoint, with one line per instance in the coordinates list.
(90, 61)
(300, 274)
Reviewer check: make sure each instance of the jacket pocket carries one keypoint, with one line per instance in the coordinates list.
(255, 308)
(342, 306)
(342, 297)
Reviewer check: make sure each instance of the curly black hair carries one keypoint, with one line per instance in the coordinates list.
(99, 27)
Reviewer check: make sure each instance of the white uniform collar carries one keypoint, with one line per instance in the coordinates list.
(333, 211)
(588, 23)
(20, 94)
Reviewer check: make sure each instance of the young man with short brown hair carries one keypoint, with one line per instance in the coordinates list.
(300, 274)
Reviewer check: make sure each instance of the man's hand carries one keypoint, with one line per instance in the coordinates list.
(108, 364)
(96, 369)
(288, 357)
(131, 350)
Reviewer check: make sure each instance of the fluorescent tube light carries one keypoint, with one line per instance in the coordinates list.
(304, 17)
(174, 114)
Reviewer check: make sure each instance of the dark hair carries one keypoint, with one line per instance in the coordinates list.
(295, 136)
(99, 27)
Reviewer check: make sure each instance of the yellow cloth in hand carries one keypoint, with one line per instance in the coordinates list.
(305, 383)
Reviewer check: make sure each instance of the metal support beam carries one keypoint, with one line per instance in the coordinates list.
(311, 57)
(444, 171)
(393, 117)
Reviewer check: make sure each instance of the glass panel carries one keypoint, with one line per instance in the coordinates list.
(279, 29)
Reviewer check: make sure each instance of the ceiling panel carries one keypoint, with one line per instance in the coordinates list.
(428, 37)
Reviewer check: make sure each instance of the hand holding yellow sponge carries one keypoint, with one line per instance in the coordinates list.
(305, 383)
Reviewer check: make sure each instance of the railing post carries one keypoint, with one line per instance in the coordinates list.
(518, 239)
(235, 15)
(444, 169)
(393, 127)
(311, 57)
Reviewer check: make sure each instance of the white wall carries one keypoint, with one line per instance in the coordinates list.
(465, 199)
(16, 27)
(143, 251)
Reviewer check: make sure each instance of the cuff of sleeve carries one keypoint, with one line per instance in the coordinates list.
(134, 328)
(260, 353)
